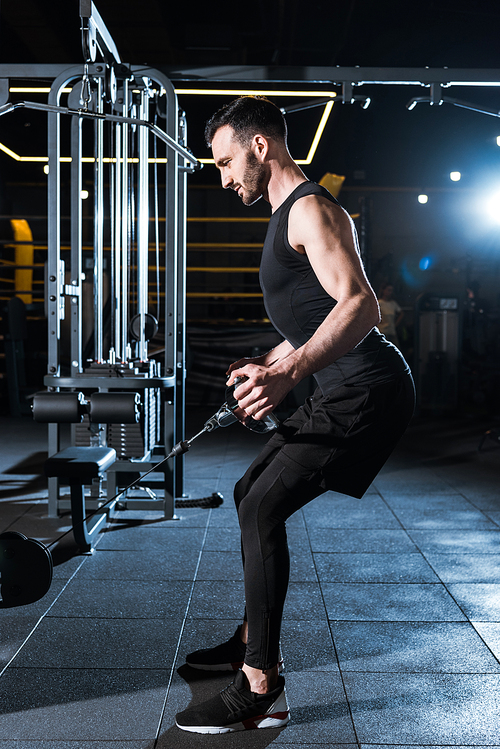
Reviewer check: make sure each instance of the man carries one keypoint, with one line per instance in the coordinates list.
(318, 297)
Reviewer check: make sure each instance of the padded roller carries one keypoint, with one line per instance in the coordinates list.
(114, 408)
(58, 408)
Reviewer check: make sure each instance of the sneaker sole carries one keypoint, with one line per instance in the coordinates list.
(276, 719)
(279, 720)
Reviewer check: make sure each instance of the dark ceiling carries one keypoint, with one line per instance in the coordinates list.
(386, 143)
(436, 33)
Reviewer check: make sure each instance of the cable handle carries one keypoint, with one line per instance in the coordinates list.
(261, 426)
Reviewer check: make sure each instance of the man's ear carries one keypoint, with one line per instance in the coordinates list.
(260, 147)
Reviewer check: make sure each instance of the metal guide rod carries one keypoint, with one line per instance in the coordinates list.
(76, 246)
(143, 225)
(116, 243)
(98, 232)
(187, 155)
(125, 224)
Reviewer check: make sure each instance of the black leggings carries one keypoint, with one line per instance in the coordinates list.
(337, 442)
(267, 495)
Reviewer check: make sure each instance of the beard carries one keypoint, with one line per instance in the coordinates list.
(254, 180)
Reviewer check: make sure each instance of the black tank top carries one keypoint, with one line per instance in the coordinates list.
(297, 304)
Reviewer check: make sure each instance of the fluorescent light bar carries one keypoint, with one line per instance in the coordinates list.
(35, 90)
(67, 159)
(252, 92)
(194, 92)
(262, 92)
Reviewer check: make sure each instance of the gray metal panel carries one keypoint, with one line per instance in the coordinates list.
(336, 75)
(290, 74)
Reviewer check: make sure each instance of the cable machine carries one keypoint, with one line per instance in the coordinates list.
(125, 273)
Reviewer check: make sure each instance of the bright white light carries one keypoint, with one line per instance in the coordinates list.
(84, 194)
(493, 207)
(423, 199)
(455, 176)
(498, 140)
(46, 168)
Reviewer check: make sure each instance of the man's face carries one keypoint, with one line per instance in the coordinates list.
(240, 169)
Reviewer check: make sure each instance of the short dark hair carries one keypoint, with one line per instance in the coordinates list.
(248, 115)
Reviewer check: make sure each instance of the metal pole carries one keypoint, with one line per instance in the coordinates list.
(76, 247)
(125, 228)
(116, 239)
(99, 233)
(143, 225)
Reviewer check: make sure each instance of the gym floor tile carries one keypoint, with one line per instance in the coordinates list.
(318, 709)
(427, 501)
(458, 542)
(479, 601)
(208, 468)
(425, 709)
(220, 565)
(224, 517)
(92, 704)
(373, 568)
(365, 517)
(486, 501)
(223, 539)
(15, 628)
(394, 647)
(418, 519)
(382, 602)
(389, 487)
(101, 644)
(297, 534)
(490, 633)
(465, 568)
(176, 561)
(195, 488)
(137, 537)
(67, 560)
(217, 598)
(304, 601)
(361, 541)
(302, 568)
(494, 516)
(307, 645)
(111, 599)
(185, 517)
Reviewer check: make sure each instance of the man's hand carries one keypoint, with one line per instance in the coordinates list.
(264, 388)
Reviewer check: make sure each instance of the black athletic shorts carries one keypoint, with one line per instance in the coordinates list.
(341, 440)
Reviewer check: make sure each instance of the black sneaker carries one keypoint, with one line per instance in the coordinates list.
(236, 708)
(226, 657)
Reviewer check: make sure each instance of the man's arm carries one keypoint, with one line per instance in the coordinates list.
(326, 234)
(280, 351)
